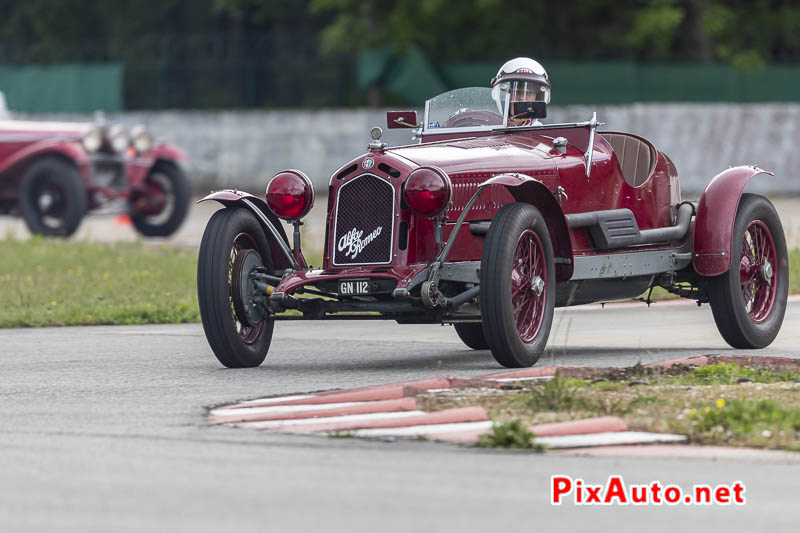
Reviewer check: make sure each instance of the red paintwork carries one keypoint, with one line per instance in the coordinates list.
(713, 229)
(522, 165)
(15, 156)
(22, 142)
(471, 160)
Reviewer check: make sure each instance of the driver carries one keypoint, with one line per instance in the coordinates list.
(526, 81)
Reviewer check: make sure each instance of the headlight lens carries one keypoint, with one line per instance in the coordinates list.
(118, 138)
(93, 139)
(142, 140)
(290, 195)
(428, 191)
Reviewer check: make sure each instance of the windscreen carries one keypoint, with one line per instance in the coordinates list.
(471, 107)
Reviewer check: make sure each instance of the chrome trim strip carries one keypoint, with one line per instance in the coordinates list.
(503, 128)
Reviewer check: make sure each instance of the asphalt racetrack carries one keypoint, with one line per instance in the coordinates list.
(103, 429)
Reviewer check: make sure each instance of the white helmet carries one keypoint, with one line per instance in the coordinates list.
(525, 79)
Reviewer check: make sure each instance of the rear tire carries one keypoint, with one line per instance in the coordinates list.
(518, 285)
(472, 335)
(236, 343)
(53, 198)
(749, 301)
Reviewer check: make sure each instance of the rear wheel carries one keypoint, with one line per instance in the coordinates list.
(238, 331)
(159, 208)
(749, 301)
(517, 285)
(472, 335)
(53, 198)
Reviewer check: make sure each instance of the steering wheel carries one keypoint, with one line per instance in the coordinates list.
(464, 118)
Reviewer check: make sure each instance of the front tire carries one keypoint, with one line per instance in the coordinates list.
(237, 343)
(749, 301)
(518, 285)
(160, 207)
(53, 198)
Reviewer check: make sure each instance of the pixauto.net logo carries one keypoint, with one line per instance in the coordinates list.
(616, 492)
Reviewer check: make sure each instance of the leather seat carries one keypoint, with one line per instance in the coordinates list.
(636, 156)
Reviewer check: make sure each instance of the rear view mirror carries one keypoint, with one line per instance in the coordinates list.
(529, 110)
(401, 119)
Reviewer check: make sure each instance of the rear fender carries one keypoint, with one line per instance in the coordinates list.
(282, 257)
(716, 214)
(61, 148)
(532, 191)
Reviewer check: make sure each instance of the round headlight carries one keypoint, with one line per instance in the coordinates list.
(428, 191)
(93, 139)
(142, 140)
(118, 138)
(290, 195)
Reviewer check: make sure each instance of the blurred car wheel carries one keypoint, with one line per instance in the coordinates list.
(52, 198)
(159, 209)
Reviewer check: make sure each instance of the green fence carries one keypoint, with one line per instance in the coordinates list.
(412, 78)
(63, 88)
(341, 82)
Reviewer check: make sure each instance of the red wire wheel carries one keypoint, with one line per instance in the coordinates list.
(757, 271)
(749, 301)
(528, 283)
(517, 295)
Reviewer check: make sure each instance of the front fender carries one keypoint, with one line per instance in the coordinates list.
(532, 191)
(278, 250)
(171, 153)
(716, 214)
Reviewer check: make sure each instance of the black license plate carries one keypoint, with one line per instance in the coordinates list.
(354, 286)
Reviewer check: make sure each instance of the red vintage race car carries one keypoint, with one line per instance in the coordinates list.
(489, 227)
(52, 173)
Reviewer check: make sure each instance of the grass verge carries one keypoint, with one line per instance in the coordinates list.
(49, 282)
(722, 403)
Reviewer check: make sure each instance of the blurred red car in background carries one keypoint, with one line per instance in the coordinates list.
(53, 173)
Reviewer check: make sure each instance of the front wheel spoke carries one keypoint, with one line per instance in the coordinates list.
(520, 311)
(530, 314)
(531, 257)
(518, 306)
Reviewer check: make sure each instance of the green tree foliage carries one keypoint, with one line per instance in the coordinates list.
(746, 33)
(252, 53)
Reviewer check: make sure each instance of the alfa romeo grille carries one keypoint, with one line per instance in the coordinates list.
(364, 222)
